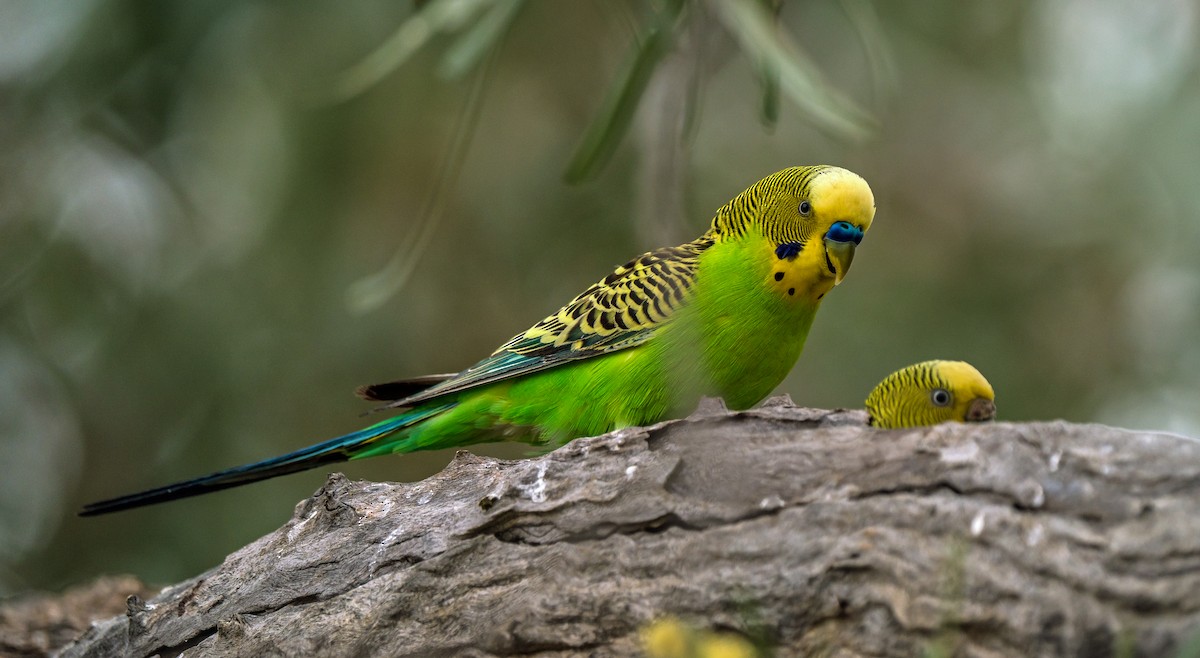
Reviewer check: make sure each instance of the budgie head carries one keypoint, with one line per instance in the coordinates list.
(812, 218)
(932, 392)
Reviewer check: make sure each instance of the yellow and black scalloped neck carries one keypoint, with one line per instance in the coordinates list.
(749, 207)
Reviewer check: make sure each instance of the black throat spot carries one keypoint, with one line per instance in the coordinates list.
(788, 250)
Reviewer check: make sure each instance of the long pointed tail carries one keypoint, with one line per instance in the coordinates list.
(328, 452)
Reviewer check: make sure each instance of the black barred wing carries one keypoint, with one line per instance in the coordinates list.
(637, 297)
(620, 311)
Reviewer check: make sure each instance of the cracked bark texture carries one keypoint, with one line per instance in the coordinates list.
(804, 529)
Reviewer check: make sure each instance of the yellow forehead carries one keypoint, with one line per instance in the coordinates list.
(841, 195)
(965, 380)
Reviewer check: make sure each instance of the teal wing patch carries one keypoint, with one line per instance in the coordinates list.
(618, 312)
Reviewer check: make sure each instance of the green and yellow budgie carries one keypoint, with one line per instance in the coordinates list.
(929, 393)
(670, 638)
(723, 315)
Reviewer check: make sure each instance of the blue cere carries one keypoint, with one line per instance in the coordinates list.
(844, 232)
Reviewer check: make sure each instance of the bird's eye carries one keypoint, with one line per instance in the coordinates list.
(940, 397)
(805, 208)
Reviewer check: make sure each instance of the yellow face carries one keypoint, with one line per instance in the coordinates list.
(965, 386)
(813, 221)
(932, 392)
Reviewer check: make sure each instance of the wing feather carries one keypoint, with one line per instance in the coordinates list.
(620, 311)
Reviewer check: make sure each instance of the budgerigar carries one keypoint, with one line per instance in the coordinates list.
(929, 393)
(670, 638)
(723, 315)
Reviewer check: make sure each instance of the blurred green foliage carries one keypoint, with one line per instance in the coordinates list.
(189, 192)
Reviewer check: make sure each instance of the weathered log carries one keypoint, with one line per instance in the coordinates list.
(37, 624)
(804, 529)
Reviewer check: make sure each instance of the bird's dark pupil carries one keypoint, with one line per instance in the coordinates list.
(805, 207)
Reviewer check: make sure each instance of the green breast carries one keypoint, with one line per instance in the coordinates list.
(748, 335)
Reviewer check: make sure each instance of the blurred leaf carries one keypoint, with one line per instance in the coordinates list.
(770, 74)
(874, 41)
(436, 16)
(606, 131)
(799, 78)
(695, 97)
(372, 291)
(770, 98)
(472, 46)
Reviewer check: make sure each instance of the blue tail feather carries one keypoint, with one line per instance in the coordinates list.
(332, 451)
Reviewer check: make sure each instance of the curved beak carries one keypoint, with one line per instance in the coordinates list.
(838, 256)
(980, 410)
(840, 241)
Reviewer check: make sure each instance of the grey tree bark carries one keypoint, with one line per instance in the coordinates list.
(804, 529)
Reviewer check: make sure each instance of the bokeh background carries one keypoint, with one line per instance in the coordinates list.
(218, 218)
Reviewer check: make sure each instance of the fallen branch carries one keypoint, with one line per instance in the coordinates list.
(801, 528)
